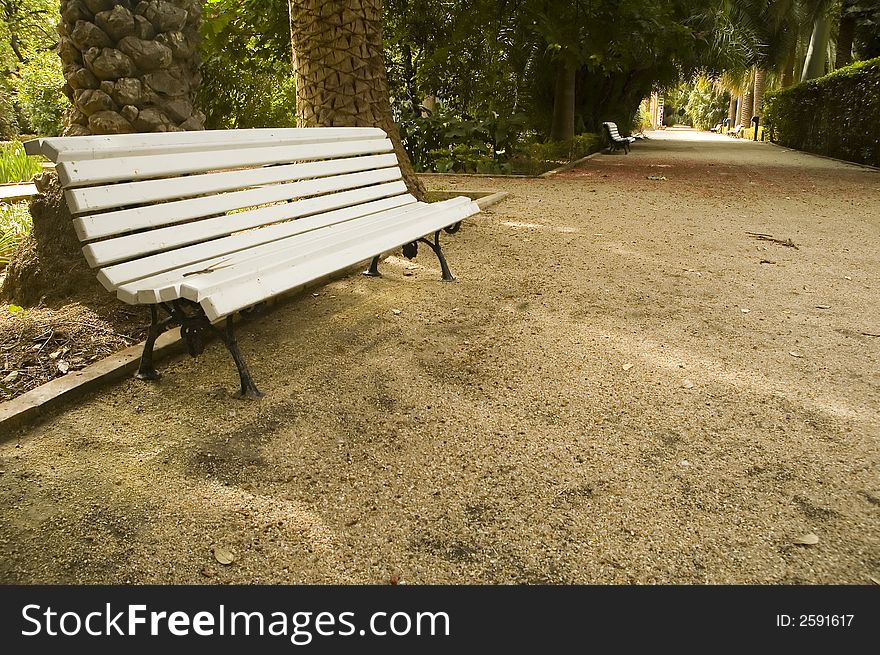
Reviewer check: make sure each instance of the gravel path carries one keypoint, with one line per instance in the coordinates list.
(623, 386)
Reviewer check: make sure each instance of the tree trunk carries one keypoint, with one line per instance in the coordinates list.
(845, 34)
(130, 66)
(562, 128)
(746, 111)
(340, 72)
(731, 112)
(814, 65)
(760, 82)
(787, 78)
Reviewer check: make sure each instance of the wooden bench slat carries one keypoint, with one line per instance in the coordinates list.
(268, 283)
(116, 275)
(165, 286)
(314, 244)
(103, 171)
(119, 249)
(96, 226)
(97, 198)
(63, 149)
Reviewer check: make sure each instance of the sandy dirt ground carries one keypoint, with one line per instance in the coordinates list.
(623, 386)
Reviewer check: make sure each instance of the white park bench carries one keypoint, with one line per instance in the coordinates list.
(615, 141)
(205, 224)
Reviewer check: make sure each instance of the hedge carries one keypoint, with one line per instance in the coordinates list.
(837, 115)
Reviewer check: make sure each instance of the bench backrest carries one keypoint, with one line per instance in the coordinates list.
(612, 130)
(148, 203)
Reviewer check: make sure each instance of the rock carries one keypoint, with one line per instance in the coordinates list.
(147, 55)
(83, 78)
(177, 42)
(77, 130)
(109, 122)
(97, 6)
(164, 16)
(87, 35)
(68, 52)
(129, 113)
(178, 109)
(143, 28)
(118, 22)
(74, 11)
(111, 64)
(91, 101)
(75, 116)
(164, 83)
(152, 119)
(127, 91)
(194, 122)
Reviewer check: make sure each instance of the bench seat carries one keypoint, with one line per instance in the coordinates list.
(206, 224)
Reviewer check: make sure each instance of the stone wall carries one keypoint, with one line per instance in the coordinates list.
(130, 66)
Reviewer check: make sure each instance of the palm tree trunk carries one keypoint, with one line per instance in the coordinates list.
(339, 67)
(789, 66)
(760, 82)
(731, 112)
(746, 111)
(814, 65)
(130, 66)
(845, 34)
(562, 128)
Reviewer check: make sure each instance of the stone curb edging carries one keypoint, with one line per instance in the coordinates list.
(38, 403)
(549, 173)
(570, 165)
(867, 167)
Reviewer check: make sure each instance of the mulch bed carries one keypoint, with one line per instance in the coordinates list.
(40, 344)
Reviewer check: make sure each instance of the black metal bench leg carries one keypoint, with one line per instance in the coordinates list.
(435, 246)
(146, 370)
(373, 271)
(248, 388)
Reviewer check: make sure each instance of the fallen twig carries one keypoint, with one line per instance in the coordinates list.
(769, 237)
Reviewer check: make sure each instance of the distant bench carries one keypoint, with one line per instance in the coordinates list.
(205, 224)
(616, 142)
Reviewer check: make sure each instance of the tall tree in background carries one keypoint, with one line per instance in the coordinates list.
(339, 66)
(130, 66)
(817, 51)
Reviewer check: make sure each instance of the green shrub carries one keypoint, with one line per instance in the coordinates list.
(15, 165)
(15, 222)
(642, 120)
(835, 115)
(706, 105)
(39, 93)
(8, 121)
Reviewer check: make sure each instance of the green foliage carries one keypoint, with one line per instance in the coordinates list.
(32, 70)
(560, 152)
(443, 142)
(835, 115)
(15, 223)
(40, 98)
(247, 73)
(706, 104)
(866, 14)
(8, 120)
(642, 120)
(15, 165)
